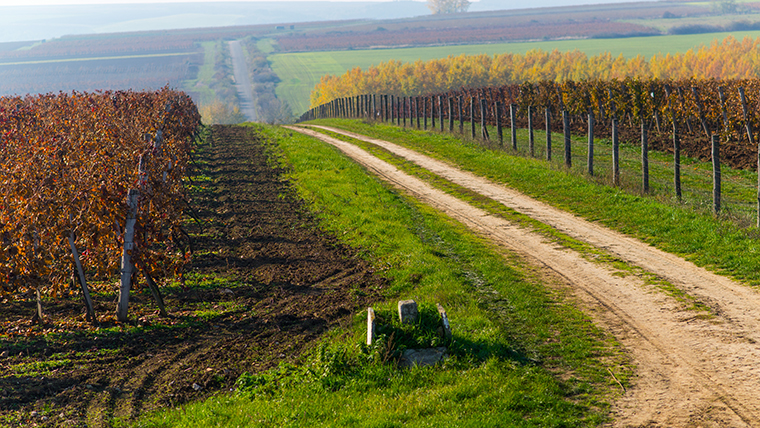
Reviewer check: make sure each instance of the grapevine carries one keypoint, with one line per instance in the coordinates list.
(67, 161)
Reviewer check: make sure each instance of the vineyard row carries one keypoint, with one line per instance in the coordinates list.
(707, 119)
(91, 185)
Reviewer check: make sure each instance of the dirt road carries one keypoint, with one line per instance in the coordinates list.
(696, 369)
(242, 82)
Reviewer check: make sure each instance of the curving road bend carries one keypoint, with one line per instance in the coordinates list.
(692, 370)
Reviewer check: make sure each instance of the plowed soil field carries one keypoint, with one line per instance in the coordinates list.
(265, 282)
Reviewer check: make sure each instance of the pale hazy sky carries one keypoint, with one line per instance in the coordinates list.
(62, 2)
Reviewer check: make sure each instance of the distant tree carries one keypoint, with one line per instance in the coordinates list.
(448, 6)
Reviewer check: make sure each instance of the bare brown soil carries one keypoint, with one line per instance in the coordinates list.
(695, 368)
(281, 284)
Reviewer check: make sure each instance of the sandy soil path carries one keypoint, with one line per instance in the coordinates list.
(692, 370)
(242, 82)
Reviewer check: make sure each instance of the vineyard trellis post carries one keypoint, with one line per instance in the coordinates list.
(432, 113)
(440, 111)
(751, 137)
(676, 145)
(403, 111)
(483, 127)
(391, 109)
(451, 114)
(461, 115)
(472, 117)
(548, 120)
(531, 141)
(417, 111)
(424, 113)
(590, 142)
(499, 131)
(716, 172)
(126, 258)
(644, 156)
(513, 124)
(81, 278)
(566, 130)
(615, 152)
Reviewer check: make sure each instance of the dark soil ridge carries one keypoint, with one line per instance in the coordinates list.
(291, 282)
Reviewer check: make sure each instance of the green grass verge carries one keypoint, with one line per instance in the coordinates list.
(300, 72)
(586, 250)
(723, 244)
(522, 354)
(201, 85)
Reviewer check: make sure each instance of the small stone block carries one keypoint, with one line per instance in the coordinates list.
(370, 326)
(407, 311)
(422, 357)
(444, 321)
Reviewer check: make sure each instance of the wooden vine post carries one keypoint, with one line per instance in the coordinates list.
(483, 128)
(417, 110)
(615, 142)
(716, 173)
(424, 113)
(461, 115)
(472, 117)
(82, 280)
(499, 131)
(432, 113)
(590, 160)
(676, 146)
(566, 130)
(126, 257)
(548, 120)
(440, 112)
(751, 137)
(531, 141)
(403, 111)
(644, 156)
(451, 114)
(513, 124)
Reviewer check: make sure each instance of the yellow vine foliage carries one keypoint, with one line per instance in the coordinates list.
(729, 59)
(67, 162)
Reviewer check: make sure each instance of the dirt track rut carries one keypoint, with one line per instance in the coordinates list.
(692, 370)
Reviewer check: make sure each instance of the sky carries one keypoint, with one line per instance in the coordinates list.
(65, 2)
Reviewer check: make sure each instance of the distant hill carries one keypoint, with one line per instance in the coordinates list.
(19, 23)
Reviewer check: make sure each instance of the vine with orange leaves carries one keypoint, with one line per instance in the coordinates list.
(67, 161)
(728, 59)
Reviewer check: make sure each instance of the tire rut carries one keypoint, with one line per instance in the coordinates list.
(693, 370)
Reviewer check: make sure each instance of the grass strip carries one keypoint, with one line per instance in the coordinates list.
(718, 243)
(522, 354)
(495, 208)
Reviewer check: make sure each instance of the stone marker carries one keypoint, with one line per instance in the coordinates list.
(422, 357)
(445, 321)
(370, 326)
(407, 311)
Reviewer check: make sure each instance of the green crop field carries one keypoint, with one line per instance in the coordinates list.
(300, 72)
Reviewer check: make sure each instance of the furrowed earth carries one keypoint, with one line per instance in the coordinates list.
(264, 283)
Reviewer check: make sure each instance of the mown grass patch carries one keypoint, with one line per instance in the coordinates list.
(521, 355)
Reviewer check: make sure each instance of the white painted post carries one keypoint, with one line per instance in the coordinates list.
(370, 326)
(126, 257)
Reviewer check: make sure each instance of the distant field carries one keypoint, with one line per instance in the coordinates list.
(300, 72)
